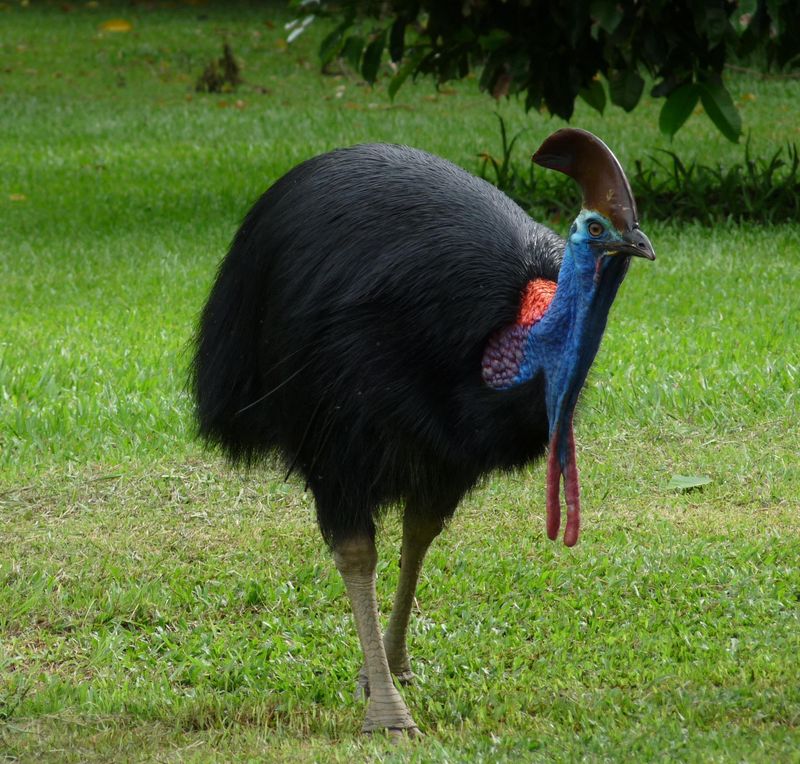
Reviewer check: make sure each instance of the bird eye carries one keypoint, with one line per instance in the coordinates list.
(595, 229)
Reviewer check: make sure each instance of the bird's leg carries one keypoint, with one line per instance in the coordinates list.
(418, 533)
(356, 559)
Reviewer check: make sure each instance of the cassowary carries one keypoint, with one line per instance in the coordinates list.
(396, 328)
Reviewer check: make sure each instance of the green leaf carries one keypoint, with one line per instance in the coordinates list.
(688, 482)
(625, 87)
(774, 10)
(594, 95)
(607, 13)
(405, 70)
(493, 40)
(720, 108)
(351, 52)
(372, 57)
(398, 80)
(743, 15)
(533, 100)
(329, 48)
(397, 39)
(677, 108)
(491, 71)
(716, 24)
(331, 45)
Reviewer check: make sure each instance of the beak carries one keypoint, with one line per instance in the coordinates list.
(633, 243)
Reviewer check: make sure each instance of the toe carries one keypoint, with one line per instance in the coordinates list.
(405, 677)
(398, 734)
(362, 686)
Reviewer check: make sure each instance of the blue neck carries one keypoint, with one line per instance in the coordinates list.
(566, 340)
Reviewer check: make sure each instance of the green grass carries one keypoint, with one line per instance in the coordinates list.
(155, 604)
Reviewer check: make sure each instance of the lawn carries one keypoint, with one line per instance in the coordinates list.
(156, 604)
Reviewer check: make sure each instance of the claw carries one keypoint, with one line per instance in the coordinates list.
(398, 735)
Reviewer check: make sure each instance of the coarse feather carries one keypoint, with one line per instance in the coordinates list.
(347, 327)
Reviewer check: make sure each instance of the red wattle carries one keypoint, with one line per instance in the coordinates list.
(553, 490)
(572, 491)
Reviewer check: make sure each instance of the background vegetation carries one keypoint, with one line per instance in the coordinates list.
(604, 48)
(156, 604)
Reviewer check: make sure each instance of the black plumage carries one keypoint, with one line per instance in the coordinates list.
(347, 325)
(391, 326)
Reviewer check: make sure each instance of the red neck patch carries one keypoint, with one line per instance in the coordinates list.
(504, 357)
(536, 300)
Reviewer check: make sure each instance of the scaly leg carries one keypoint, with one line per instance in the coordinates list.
(356, 560)
(418, 533)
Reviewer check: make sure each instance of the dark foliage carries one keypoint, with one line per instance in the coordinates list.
(552, 53)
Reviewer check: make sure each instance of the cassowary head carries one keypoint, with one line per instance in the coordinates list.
(608, 225)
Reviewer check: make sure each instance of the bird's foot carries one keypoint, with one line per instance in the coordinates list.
(397, 726)
(404, 677)
(398, 734)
